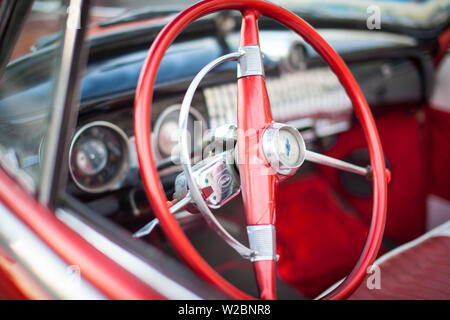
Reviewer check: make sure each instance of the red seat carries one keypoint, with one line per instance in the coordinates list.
(417, 270)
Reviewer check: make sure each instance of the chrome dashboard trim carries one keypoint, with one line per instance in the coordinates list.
(305, 94)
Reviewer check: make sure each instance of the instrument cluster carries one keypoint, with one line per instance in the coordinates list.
(103, 153)
(99, 157)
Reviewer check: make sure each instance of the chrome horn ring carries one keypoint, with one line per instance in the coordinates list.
(186, 164)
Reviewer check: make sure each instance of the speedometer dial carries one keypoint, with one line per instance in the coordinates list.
(92, 157)
(167, 135)
(99, 157)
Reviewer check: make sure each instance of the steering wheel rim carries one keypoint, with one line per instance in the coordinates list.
(149, 174)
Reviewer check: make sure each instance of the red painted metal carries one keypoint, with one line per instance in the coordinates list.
(388, 175)
(143, 102)
(265, 271)
(16, 283)
(107, 276)
(258, 180)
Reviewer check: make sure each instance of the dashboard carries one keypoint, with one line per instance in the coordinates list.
(303, 92)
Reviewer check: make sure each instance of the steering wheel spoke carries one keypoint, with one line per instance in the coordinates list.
(336, 163)
(258, 180)
(343, 165)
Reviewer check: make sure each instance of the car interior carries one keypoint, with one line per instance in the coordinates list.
(323, 214)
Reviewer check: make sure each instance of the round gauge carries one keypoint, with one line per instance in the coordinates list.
(296, 58)
(284, 148)
(288, 148)
(91, 157)
(99, 157)
(167, 135)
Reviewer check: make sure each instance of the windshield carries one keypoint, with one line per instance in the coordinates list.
(422, 14)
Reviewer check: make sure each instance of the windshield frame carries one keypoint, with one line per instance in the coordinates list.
(64, 110)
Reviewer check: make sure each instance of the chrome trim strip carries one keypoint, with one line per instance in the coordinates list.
(262, 239)
(151, 276)
(60, 279)
(321, 96)
(250, 63)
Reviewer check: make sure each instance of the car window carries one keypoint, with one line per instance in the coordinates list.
(24, 121)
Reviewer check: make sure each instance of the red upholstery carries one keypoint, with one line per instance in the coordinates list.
(318, 239)
(438, 146)
(419, 272)
(400, 134)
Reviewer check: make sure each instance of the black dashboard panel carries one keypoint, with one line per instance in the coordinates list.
(391, 71)
(390, 56)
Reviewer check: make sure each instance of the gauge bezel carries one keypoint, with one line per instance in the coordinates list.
(271, 148)
(115, 182)
(160, 120)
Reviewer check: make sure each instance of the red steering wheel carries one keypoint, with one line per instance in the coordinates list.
(254, 113)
